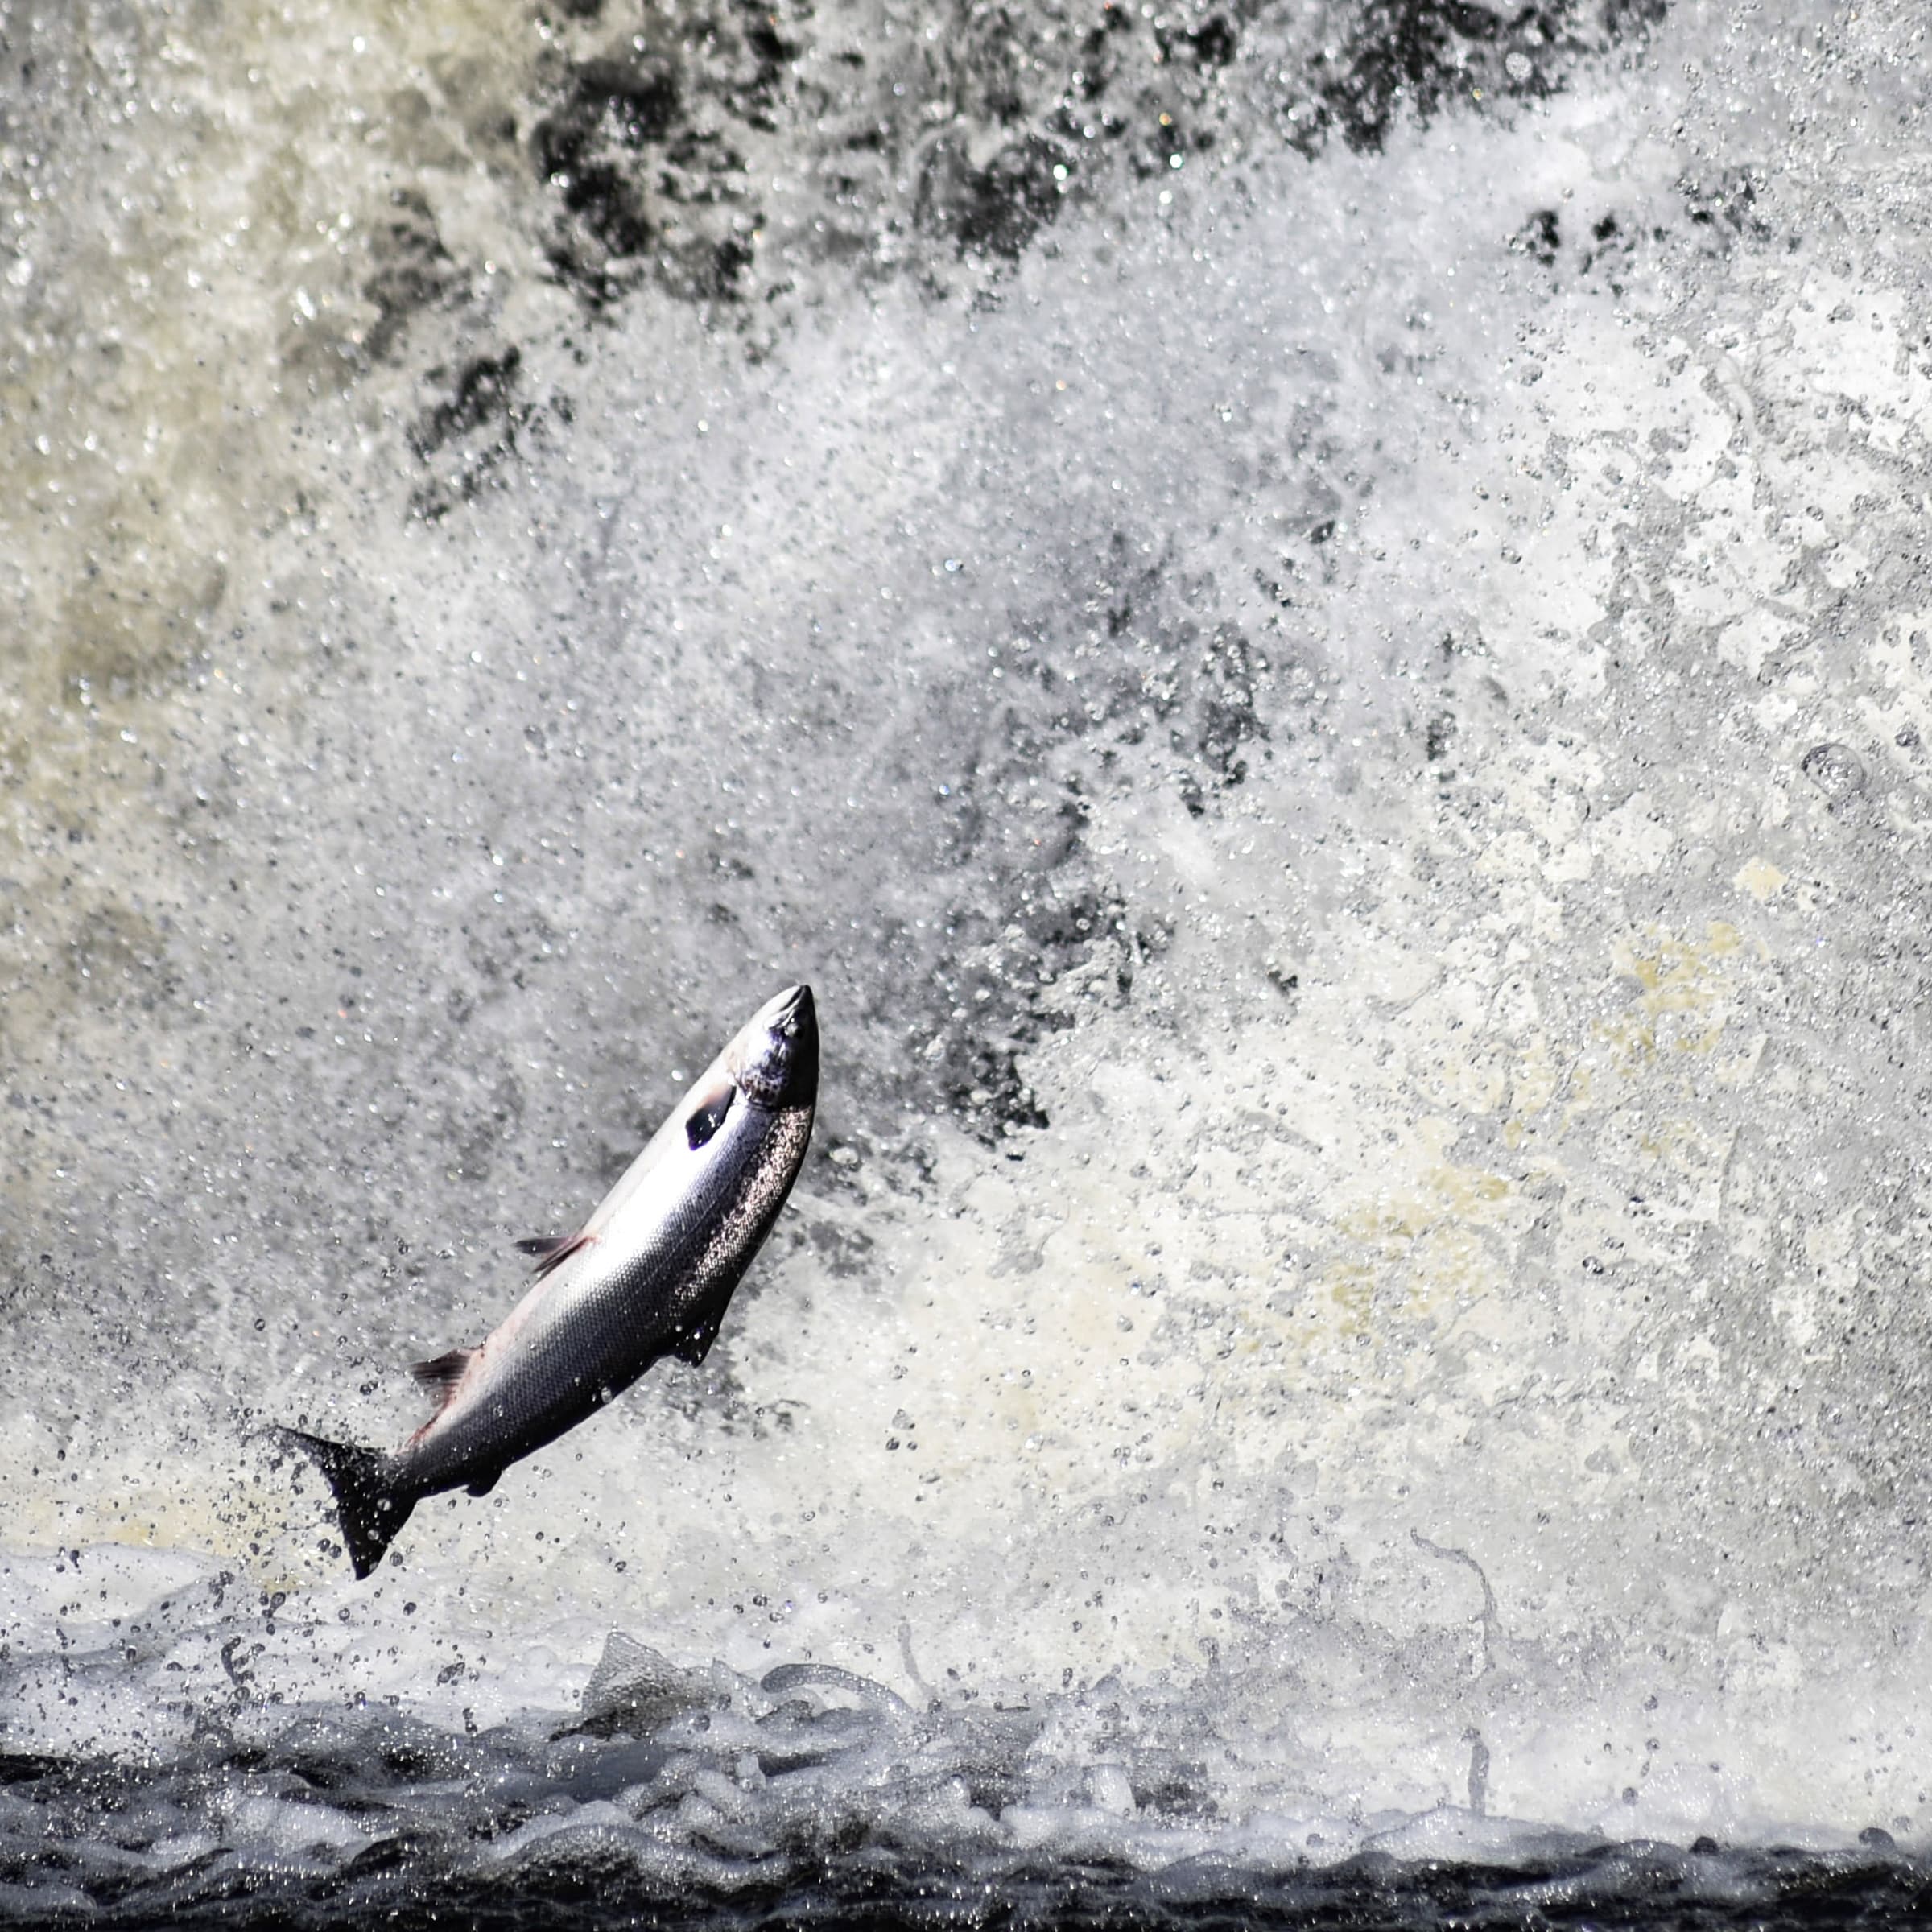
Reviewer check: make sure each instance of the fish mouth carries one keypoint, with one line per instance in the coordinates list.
(793, 1010)
(780, 1066)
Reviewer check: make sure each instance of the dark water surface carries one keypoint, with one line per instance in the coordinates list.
(814, 1814)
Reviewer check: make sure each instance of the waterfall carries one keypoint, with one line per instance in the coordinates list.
(1310, 623)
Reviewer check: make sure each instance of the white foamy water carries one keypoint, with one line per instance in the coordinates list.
(1339, 728)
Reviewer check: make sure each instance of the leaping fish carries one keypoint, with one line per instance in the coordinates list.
(649, 1274)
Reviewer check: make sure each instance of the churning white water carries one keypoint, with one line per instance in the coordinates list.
(1309, 622)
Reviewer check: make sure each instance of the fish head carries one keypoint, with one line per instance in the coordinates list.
(774, 1060)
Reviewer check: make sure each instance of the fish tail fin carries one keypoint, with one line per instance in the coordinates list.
(371, 1504)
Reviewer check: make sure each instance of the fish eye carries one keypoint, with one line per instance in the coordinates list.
(707, 1120)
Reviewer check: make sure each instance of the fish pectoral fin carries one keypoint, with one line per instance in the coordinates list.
(694, 1340)
(708, 1116)
(553, 1250)
(484, 1484)
(441, 1375)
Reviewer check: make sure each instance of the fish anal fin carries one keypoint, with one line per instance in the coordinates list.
(553, 1251)
(484, 1484)
(441, 1375)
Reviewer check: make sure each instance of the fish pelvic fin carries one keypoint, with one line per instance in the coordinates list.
(371, 1504)
(693, 1342)
(441, 1375)
(553, 1250)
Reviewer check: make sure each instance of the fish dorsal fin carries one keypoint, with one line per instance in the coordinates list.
(441, 1375)
(553, 1250)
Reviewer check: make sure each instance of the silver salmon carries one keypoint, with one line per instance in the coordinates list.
(649, 1274)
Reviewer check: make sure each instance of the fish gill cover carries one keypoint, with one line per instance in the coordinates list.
(1309, 622)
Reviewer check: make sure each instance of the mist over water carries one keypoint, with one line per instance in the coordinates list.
(1311, 624)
